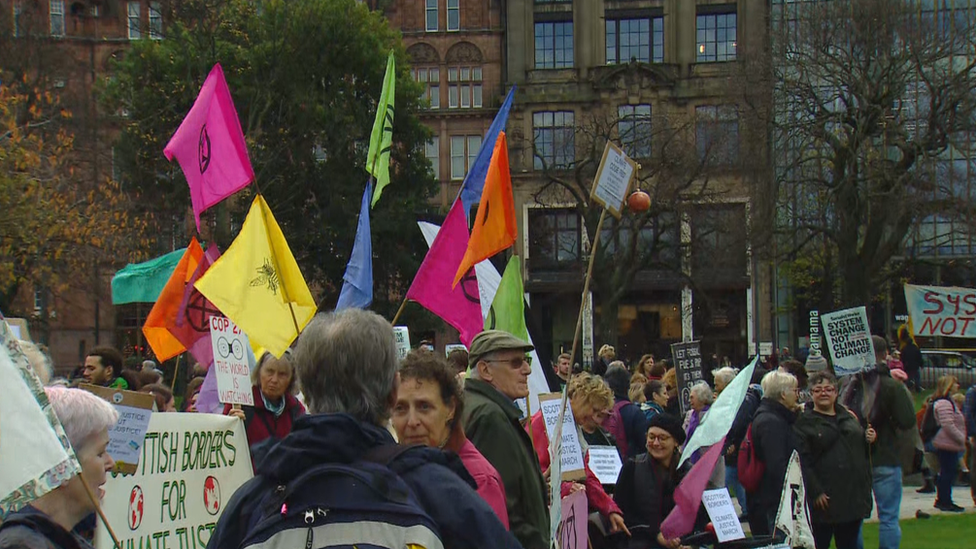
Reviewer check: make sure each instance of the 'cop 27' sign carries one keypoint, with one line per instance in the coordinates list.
(941, 311)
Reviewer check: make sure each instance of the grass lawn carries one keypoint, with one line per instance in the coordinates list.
(938, 532)
(920, 398)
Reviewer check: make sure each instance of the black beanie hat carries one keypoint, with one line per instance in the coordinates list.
(670, 424)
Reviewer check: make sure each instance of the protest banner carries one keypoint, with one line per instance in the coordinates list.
(941, 310)
(793, 515)
(35, 456)
(448, 349)
(724, 519)
(230, 362)
(849, 340)
(402, 336)
(126, 439)
(572, 530)
(613, 179)
(191, 466)
(571, 453)
(605, 463)
(688, 363)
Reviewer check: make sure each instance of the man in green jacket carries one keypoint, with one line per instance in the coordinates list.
(499, 372)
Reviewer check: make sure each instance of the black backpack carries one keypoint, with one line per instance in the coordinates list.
(930, 426)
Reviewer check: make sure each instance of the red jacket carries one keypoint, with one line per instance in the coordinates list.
(262, 424)
(490, 486)
(596, 497)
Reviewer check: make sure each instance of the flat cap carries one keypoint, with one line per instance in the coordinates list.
(490, 341)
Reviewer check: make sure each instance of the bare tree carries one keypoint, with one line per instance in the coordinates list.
(872, 102)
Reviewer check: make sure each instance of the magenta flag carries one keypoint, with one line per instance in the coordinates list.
(461, 306)
(688, 494)
(209, 145)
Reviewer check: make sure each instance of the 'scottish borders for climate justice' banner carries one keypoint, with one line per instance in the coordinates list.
(946, 311)
(191, 465)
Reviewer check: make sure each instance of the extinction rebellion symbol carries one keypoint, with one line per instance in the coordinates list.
(136, 501)
(203, 149)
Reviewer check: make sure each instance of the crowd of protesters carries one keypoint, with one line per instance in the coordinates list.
(479, 468)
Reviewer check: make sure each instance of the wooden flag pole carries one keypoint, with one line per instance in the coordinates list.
(399, 312)
(176, 372)
(586, 282)
(98, 509)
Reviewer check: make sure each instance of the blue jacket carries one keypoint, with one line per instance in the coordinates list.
(969, 411)
(439, 481)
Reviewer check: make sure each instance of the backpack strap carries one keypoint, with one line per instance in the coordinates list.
(387, 453)
(57, 535)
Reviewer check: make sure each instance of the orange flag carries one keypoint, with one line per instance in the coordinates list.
(494, 227)
(163, 314)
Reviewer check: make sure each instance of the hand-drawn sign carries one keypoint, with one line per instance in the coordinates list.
(203, 149)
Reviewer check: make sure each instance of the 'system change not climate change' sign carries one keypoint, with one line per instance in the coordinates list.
(191, 465)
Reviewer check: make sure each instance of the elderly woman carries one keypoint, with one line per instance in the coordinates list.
(275, 408)
(590, 401)
(625, 421)
(834, 452)
(49, 520)
(428, 410)
(701, 399)
(645, 487)
(163, 395)
(774, 441)
(949, 442)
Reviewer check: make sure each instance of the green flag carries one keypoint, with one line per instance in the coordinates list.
(508, 308)
(380, 141)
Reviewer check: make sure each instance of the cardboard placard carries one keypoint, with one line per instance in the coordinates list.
(230, 362)
(722, 512)
(126, 439)
(688, 364)
(572, 530)
(849, 340)
(191, 466)
(402, 336)
(571, 452)
(448, 349)
(613, 179)
(605, 463)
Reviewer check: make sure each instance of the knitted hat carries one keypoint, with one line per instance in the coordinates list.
(815, 361)
(670, 424)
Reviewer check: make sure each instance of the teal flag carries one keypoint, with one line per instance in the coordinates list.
(507, 311)
(721, 414)
(143, 282)
(381, 139)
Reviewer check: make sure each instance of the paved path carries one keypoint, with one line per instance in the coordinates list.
(912, 501)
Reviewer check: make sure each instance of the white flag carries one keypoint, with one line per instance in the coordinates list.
(35, 456)
(793, 516)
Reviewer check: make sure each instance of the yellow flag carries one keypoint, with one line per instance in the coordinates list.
(258, 285)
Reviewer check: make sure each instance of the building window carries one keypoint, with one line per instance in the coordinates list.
(717, 134)
(431, 15)
(431, 78)
(464, 149)
(719, 239)
(17, 9)
(640, 40)
(553, 139)
(554, 239)
(716, 37)
(634, 129)
(464, 87)
(453, 15)
(56, 9)
(155, 21)
(135, 31)
(554, 45)
(433, 153)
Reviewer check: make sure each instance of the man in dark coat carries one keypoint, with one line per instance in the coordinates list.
(499, 376)
(347, 363)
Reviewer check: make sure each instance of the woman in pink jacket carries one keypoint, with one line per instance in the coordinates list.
(428, 411)
(950, 440)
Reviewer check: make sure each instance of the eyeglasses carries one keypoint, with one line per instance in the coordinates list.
(659, 438)
(823, 390)
(514, 363)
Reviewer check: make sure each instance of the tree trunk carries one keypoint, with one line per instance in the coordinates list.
(606, 324)
(856, 281)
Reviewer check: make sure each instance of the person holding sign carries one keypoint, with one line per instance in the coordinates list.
(834, 453)
(428, 411)
(49, 520)
(275, 409)
(590, 401)
(645, 487)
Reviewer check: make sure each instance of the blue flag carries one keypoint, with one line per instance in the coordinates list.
(357, 283)
(474, 182)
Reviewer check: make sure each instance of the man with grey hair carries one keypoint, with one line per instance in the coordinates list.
(499, 375)
(340, 474)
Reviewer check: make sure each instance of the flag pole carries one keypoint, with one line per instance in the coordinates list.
(586, 283)
(176, 372)
(98, 509)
